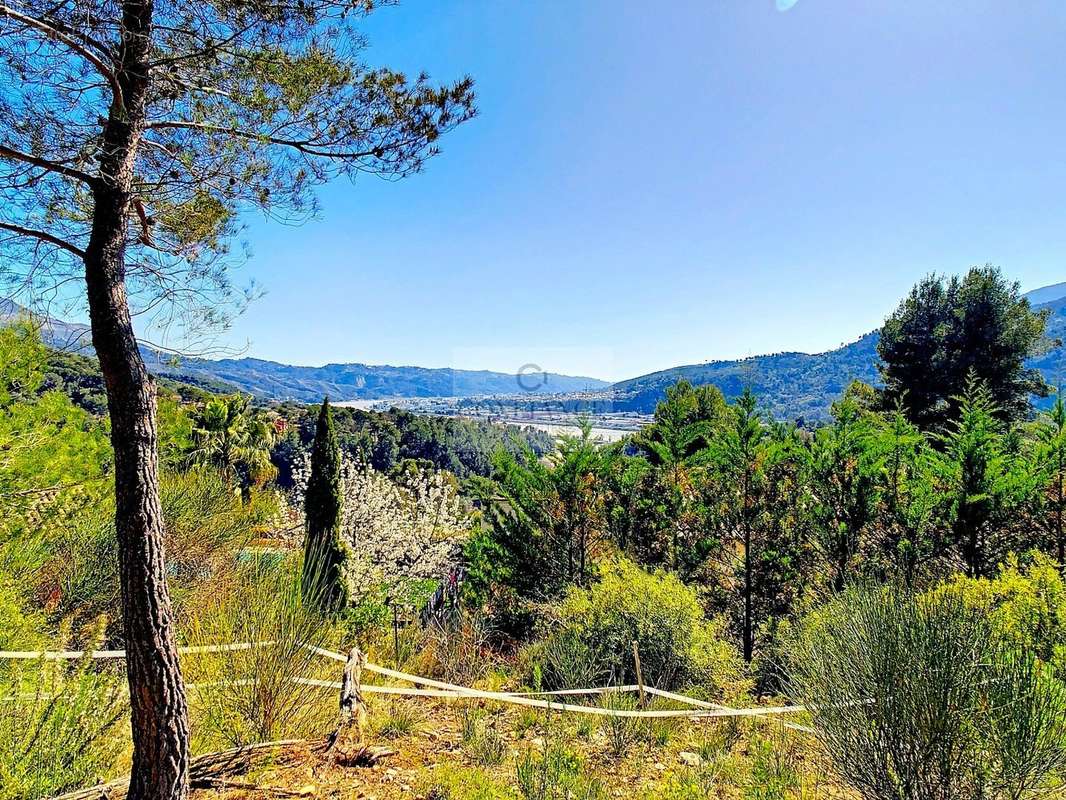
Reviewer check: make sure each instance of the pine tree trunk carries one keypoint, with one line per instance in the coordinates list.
(749, 633)
(159, 716)
(1060, 538)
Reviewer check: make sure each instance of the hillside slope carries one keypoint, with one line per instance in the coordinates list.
(790, 385)
(801, 385)
(273, 381)
(270, 380)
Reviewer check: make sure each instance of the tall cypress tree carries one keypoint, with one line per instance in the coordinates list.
(323, 583)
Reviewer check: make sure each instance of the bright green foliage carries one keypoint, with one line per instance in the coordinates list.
(60, 727)
(545, 521)
(22, 360)
(54, 457)
(1025, 606)
(675, 445)
(678, 645)
(910, 532)
(1050, 500)
(324, 555)
(947, 329)
(234, 438)
(175, 430)
(916, 700)
(843, 468)
(50, 452)
(983, 480)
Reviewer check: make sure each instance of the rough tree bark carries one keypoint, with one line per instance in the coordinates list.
(159, 716)
(749, 628)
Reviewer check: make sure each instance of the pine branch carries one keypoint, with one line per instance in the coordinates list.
(55, 33)
(42, 236)
(45, 164)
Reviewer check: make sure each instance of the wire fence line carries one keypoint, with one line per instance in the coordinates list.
(428, 687)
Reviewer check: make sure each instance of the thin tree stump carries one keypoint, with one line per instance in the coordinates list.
(353, 715)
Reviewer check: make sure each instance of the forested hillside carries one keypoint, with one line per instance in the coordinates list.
(790, 385)
(270, 380)
(793, 386)
(802, 386)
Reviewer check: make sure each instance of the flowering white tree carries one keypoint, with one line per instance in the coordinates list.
(408, 528)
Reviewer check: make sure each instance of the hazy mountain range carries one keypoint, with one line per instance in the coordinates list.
(270, 380)
(790, 384)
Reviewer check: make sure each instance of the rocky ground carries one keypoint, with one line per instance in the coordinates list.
(474, 752)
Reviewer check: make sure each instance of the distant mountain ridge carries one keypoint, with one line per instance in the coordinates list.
(790, 385)
(270, 380)
(803, 385)
(273, 381)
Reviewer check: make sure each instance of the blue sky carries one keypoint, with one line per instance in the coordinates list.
(653, 184)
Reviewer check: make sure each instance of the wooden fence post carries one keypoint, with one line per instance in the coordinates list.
(640, 677)
(352, 705)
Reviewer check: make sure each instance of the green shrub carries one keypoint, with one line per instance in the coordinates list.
(555, 774)
(596, 628)
(254, 695)
(481, 740)
(396, 719)
(60, 727)
(567, 660)
(914, 699)
(1025, 606)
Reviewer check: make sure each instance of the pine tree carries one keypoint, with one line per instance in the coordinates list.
(842, 469)
(324, 554)
(948, 329)
(975, 469)
(153, 126)
(740, 459)
(1051, 456)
